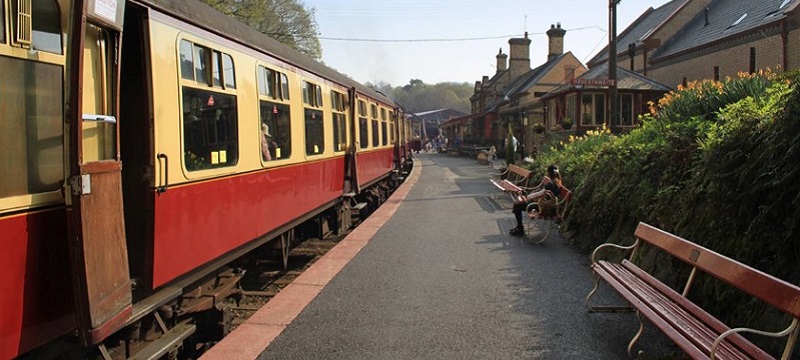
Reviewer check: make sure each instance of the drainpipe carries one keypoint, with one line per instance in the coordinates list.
(784, 42)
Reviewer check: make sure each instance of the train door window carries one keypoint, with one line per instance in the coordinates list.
(276, 130)
(339, 125)
(33, 134)
(363, 130)
(99, 137)
(210, 117)
(46, 26)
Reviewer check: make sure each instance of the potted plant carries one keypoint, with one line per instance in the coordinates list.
(538, 128)
(566, 123)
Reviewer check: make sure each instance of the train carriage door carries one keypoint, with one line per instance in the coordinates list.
(98, 251)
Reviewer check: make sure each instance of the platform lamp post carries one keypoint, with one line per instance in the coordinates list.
(524, 121)
(612, 62)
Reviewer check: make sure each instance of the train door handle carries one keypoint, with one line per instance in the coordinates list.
(163, 173)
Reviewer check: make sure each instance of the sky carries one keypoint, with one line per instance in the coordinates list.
(455, 40)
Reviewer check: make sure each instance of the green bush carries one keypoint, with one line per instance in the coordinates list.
(716, 162)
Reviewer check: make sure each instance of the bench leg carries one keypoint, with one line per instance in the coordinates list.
(603, 308)
(636, 337)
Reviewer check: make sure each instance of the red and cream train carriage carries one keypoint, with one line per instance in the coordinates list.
(147, 144)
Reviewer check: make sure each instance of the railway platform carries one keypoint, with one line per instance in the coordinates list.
(433, 274)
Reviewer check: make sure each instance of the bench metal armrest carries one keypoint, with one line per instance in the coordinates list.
(630, 248)
(787, 353)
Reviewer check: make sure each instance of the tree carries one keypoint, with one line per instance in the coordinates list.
(287, 21)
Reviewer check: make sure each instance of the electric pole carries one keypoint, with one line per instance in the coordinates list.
(612, 62)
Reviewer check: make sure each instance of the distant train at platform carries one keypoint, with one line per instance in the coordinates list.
(147, 145)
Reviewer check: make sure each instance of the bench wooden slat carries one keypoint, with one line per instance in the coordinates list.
(706, 318)
(683, 325)
(646, 311)
(776, 292)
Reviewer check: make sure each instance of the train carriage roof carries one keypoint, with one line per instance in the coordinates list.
(206, 17)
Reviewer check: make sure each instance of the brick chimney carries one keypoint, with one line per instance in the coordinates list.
(520, 62)
(556, 43)
(502, 63)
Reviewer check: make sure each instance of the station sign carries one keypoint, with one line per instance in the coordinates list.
(594, 82)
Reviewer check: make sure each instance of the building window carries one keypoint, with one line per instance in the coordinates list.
(569, 107)
(626, 112)
(593, 109)
(315, 139)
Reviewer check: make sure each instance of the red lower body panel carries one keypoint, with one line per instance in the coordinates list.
(36, 303)
(374, 165)
(197, 223)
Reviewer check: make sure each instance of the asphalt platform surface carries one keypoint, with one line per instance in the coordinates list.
(442, 279)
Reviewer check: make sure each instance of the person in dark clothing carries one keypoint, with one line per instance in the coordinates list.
(551, 182)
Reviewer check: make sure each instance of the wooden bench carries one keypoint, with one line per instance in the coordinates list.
(545, 212)
(695, 331)
(515, 182)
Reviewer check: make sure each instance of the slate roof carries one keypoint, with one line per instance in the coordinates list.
(626, 80)
(531, 78)
(726, 19)
(641, 28)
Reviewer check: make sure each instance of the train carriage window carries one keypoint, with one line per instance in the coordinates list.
(33, 134)
(363, 130)
(216, 73)
(363, 133)
(187, 64)
(339, 124)
(276, 131)
(312, 94)
(375, 140)
(228, 71)
(273, 84)
(383, 114)
(201, 57)
(315, 139)
(374, 111)
(384, 133)
(392, 121)
(284, 87)
(210, 129)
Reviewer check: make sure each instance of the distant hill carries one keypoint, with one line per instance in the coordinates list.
(417, 96)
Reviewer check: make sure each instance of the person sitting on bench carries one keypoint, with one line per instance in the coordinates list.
(551, 182)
